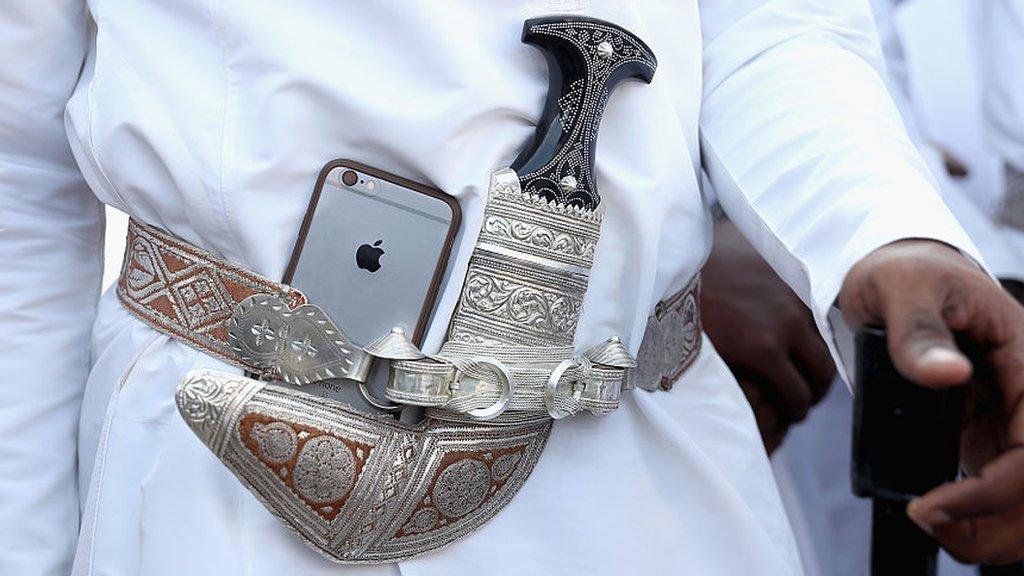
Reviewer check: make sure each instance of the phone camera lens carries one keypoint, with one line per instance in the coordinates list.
(349, 178)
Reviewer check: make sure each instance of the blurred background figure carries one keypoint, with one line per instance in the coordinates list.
(956, 71)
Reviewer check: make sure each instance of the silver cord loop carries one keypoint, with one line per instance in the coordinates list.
(552, 389)
(507, 390)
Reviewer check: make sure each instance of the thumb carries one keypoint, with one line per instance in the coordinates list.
(923, 348)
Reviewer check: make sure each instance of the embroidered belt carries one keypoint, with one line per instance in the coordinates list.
(363, 488)
(187, 292)
(191, 294)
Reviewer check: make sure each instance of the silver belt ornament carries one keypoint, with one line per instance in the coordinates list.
(364, 488)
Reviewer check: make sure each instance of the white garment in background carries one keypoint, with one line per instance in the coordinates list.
(1001, 40)
(1002, 46)
(812, 468)
(211, 118)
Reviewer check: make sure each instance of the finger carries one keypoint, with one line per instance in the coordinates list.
(999, 487)
(753, 391)
(773, 441)
(922, 346)
(1007, 361)
(768, 420)
(813, 359)
(997, 539)
(791, 391)
(766, 415)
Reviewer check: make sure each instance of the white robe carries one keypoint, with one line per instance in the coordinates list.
(211, 118)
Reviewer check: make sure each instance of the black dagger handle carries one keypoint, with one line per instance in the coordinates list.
(586, 58)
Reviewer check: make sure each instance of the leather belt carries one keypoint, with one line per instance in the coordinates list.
(190, 294)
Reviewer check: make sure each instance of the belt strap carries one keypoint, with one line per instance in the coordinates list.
(190, 294)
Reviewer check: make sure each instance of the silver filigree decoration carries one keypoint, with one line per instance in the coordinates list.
(300, 346)
(612, 353)
(504, 465)
(205, 402)
(422, 521)
(461, 487)
(539, 236)
(359, 517)
(325, 470)
(277, 441)
(524, 305)
(604, 49)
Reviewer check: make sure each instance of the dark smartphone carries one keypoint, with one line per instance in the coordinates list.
(906, 438)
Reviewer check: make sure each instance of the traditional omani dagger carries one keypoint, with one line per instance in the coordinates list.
(528, 273)
(362, 488)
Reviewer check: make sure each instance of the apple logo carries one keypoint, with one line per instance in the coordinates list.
(368, 257)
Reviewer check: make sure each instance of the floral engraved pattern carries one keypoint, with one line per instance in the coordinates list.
(422, 521)
(361, 489)
(277, 441)
(539, 237)
(325, 470)
(522, 304)
(504, 466)
(461, 487)
(202, 402)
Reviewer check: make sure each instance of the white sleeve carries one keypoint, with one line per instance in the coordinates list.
(805, 147)
(50, 232)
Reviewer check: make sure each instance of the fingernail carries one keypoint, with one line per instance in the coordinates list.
(940, 355)
(927, 519)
